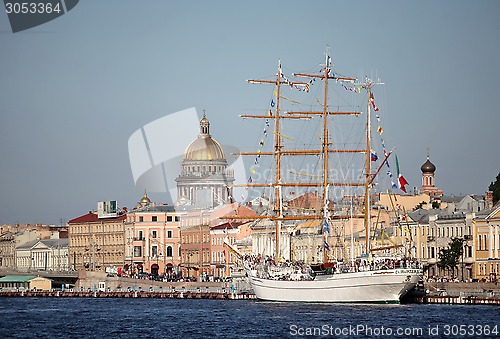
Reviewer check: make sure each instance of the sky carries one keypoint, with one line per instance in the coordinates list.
(74, 90)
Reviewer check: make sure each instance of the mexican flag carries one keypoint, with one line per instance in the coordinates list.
(401, 180)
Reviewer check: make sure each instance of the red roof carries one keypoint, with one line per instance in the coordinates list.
(92, 217)
(228, 225)
(242, 211)
(222, 226)
(309, 200)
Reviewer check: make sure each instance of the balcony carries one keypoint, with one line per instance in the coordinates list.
(468, 260)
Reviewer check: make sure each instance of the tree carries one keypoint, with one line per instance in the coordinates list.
(450, 257)
(495, 188)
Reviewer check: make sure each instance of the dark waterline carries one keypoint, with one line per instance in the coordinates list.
(178, 318)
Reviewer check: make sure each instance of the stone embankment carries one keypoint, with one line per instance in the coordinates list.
(172, 294)
(99, 285)
(456, 293)
(97, 281)
(453, 288)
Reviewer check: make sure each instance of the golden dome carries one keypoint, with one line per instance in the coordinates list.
(204, 147)
(145, 199)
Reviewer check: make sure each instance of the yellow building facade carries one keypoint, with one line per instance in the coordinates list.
(96, 244)
(487, 244)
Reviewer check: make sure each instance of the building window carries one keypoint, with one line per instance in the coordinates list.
(169, 251)
(154, 251)
(140, 235)
(141, 219)
(177, 218)
(137, 251)
(169, 218)
(154, 218)
(154, 234)
(169, 234)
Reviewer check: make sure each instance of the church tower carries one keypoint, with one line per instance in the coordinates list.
(205, 180)
(428, 184)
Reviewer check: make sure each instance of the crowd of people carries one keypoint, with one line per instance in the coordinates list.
(267, 267)
(491, 279)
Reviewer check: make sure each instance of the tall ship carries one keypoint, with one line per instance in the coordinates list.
(333, 277)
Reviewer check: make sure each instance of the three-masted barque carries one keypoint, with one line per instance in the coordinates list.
(274, 280)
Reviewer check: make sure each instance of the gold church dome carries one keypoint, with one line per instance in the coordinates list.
(204, 147)
(145, 199)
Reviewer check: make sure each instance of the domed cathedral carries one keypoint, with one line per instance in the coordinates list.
(205, 180)
(428, 185)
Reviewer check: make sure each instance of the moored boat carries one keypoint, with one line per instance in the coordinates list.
(336, 281)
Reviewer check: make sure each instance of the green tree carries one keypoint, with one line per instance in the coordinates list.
(495, 188)
(450, 257)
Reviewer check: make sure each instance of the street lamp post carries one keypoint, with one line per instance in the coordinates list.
(463, 262)
(190, 256)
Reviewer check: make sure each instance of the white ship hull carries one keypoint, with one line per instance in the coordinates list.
(382, 286)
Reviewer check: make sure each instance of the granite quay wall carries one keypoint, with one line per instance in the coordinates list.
(452, 288)
(93, 280)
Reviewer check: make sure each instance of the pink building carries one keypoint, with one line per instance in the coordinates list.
(202, 237)
(153, 243)
(195, 244)
(223, 261)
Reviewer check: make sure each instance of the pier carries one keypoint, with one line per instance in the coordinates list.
(455, 300)
(417, 299)
(99, 285)
(477, 293)
(130, 294)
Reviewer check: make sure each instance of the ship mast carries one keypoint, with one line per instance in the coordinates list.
(369, 177)
(279, 152)
(325, 149)
(325, 153)
(278, 207)
(367, 223)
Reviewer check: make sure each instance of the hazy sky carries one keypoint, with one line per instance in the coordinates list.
(73, 90)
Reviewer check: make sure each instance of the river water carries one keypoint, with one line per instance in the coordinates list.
(181, 318)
